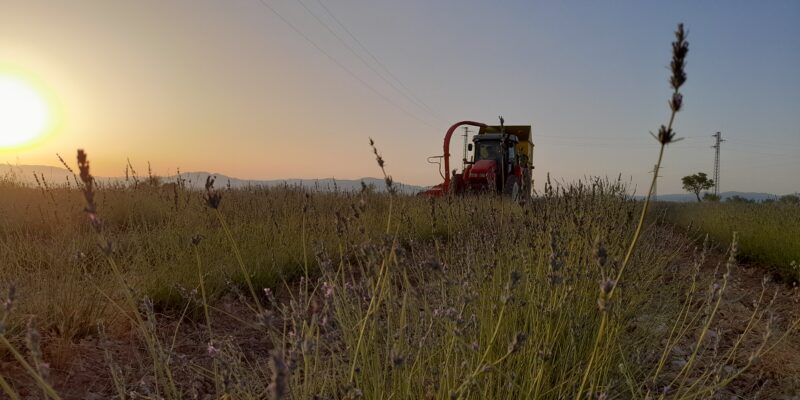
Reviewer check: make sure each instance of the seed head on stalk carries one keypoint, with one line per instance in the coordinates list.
(680, 48)
(88, 190)
(381, 163)
(91, 207)
(212, 197)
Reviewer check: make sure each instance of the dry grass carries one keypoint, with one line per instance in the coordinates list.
(284, 293)
(418, 305)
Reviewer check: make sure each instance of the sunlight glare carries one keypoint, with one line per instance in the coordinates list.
(23, 113)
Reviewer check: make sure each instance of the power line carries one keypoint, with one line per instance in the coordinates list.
(340, 65)
(764, 144)
(367, 64)
(600, 145)
(749, 152)
(377, 61)
(779, 164)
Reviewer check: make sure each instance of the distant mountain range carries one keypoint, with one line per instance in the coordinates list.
(689, 197)
(27, 174)
(196, 180)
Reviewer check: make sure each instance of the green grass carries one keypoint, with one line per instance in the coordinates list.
(473, 297)
(768, 233)
(45, 233)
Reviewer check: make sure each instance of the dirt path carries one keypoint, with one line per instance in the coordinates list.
(776, 375)
(81, 370)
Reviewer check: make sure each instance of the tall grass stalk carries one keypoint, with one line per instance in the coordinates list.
(665, 136)
(239, 259)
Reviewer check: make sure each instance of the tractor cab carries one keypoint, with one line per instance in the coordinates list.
(495, 146)
(494, 163)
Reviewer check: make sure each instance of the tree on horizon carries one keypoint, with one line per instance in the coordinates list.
(697, 183)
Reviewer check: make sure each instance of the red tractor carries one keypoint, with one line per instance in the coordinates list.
(501, 162)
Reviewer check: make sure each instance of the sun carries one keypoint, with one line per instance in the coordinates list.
(24, 114)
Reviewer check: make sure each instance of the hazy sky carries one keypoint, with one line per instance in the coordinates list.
(230, 87)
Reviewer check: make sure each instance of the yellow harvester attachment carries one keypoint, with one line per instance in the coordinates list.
(523, 132)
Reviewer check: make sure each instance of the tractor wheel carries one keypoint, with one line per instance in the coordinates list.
(512, 189)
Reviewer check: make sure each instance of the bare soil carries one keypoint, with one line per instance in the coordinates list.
(81, 370)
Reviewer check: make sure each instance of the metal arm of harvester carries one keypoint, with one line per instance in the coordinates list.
(446, 153)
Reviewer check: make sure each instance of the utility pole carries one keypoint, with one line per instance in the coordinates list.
(718, 138)
(655, 182)
(466, 138)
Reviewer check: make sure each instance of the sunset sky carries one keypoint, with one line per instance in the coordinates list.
(262, 89)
